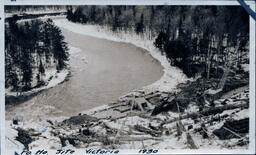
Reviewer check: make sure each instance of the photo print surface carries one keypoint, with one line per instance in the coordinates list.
(127, 77)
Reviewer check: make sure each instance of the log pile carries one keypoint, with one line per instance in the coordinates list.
(154, 133)
(194, 92)
(233, 129)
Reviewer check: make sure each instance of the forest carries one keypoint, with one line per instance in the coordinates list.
(202, 40)
(31, 48)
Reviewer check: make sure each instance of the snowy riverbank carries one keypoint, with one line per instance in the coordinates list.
(52, 78)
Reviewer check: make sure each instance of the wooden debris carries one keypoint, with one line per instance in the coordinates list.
(207, 112)
(148, 131)
(109, 129)
(129, 138)
(190, 142)
(78, 120)
(50, 122)
(233, 129)
(24, 137)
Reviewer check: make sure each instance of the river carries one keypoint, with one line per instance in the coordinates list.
(101, 72)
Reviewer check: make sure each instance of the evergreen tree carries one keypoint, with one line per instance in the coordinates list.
(70, 13)
(26, 69)
(161, 40)
(79, 16)
(41, 69)
(60, 49)
(14, 81)
(140, 25)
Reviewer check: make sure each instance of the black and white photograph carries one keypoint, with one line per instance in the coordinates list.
(167, 77)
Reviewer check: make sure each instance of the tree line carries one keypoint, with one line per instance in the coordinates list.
(32, 8)
(31, 48)
(198, 39)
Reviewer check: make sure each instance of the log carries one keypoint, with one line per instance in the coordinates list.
(190, 142)
(123, 110)
(128, 138)
(50, 122)
(207, 112)
(109, 129)
(148, 131)
(82, 138)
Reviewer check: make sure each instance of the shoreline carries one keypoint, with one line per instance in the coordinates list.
(168, 81)
(62, 76)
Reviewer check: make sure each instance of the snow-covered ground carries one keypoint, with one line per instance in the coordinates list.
(57, 77)
(43, 18)
(44, 141)
(125, 128)
(172, 141)
(20, 13)
(172, 75)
